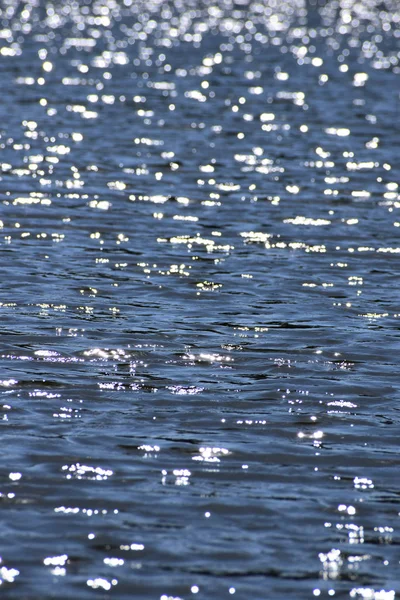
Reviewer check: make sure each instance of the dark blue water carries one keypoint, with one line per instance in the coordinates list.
(200, 306)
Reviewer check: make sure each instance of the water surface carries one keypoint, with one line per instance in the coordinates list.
(199, 309)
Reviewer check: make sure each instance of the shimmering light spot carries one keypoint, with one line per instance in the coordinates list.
(208, 454)
(99, 582)
(8, 382)
(265, 117)
(360, 194)
(56, 560)
(360, 79)
(293, 189)
(332, 562)
(149, 448)
(113, 562)
(8, 575)
(317, 62)
(350, 510)
(299, 220)
(371, 594)
(208, 286)
(340, 131)
(116, 185)
(185, 390)
(206, 168)
(78, 471)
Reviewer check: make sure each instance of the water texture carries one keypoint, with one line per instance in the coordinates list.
(200, 301)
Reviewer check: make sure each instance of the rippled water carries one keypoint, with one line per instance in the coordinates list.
(199, 309)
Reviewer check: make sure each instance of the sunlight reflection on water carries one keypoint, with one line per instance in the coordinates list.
(199, 235)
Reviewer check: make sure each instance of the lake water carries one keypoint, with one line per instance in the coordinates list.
(200, 306)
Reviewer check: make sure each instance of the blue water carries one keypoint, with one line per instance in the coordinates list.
(200, 307)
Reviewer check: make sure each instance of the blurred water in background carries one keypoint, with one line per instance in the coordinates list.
(200, 299)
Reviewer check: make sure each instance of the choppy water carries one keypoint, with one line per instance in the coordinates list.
(200, 308)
